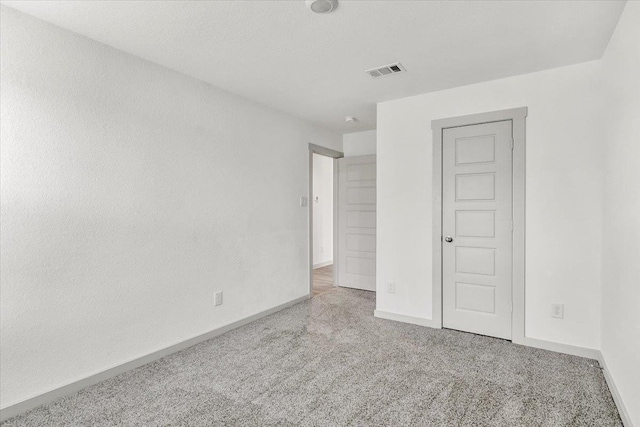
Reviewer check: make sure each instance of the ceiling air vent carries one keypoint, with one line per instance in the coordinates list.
(386, 70)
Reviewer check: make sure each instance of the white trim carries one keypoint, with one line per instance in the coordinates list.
(493, 116)
(322, 264)
(436, 228)
(519, 137)
(336, 224)
(622, 409)
(324, 151)
(18, 408)
(405, 319)
(574, 350)
(517, 117)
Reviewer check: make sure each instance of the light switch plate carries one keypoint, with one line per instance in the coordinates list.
(303, 202)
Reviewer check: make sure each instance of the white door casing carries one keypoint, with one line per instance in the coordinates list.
(357, 222)
(477, 218)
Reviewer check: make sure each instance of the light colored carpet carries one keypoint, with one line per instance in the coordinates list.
(323, 280)
(329, 362)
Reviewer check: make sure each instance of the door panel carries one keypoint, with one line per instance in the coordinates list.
(361, 195)
(475, 260)
(475, 297)
(357, 219)
(472, 187)
(475, 224)
(361, 242)
(477, 214)
(357, 222)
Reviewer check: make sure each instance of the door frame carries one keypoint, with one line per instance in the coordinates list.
(335, 155)
(517, 116)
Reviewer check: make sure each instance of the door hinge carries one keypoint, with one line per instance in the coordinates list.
(512, 143)
(511, 307)
(511, 225)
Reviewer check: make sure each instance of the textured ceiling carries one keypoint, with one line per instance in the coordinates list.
(312, 66)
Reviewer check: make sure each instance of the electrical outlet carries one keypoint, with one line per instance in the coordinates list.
(391, 287)
(217, 298)
(557, 311)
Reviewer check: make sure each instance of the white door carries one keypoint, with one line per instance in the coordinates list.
(357, 222)
(477, 228)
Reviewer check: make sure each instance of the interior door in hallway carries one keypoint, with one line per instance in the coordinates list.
(357, 222)
(477, 228)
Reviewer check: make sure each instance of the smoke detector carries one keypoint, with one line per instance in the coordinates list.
(386, 70)
(322, 6)
(350, 119)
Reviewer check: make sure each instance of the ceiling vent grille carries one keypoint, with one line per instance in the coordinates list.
(386, 70)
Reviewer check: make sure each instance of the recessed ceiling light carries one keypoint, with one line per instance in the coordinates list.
(322, 6)
(350, 119)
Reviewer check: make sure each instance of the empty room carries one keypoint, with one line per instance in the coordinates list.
(320, 213)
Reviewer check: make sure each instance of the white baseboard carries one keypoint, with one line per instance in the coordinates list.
(322, 264)
(405, 319)
(574, 350)
(622, 409)
(589, 353)
(57, 393)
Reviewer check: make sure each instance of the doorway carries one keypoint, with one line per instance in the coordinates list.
(323, 219)
(479, 223)
(322, 207)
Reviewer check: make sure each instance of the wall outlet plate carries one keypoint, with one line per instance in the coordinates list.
(217, 298)
(391, 287)
(557, 311)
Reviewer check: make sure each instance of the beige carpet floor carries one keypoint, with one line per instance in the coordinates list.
(328, 362)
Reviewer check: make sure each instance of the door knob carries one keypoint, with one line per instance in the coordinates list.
(448, 239)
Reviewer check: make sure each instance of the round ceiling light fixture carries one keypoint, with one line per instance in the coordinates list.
(322, 6)
(350, 119)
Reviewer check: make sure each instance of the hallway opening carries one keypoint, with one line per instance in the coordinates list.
(322, 205)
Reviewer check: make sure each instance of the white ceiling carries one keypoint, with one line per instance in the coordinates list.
(312, 66)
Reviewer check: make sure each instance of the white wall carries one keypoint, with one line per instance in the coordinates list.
(359, 143)
(621, 248)
(563, 196)
(322, 210)
(130, 193)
